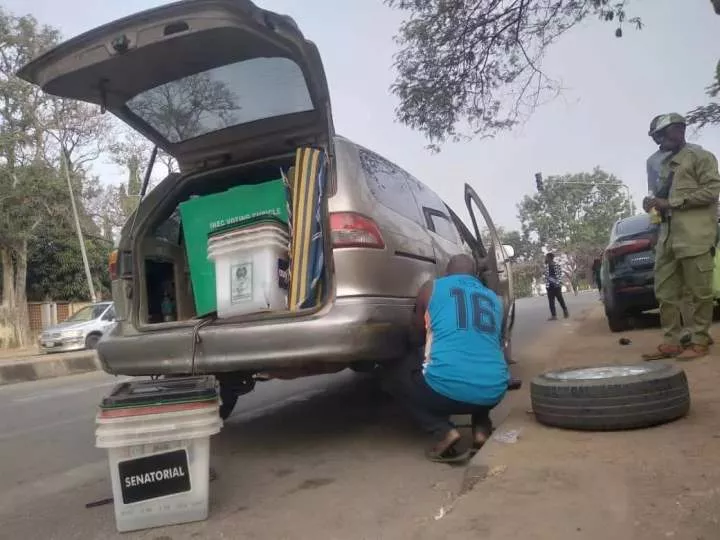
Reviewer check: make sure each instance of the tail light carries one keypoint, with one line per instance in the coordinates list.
(348, 229)
(628, 246)
(113, 265)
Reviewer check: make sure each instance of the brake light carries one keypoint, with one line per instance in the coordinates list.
(113, 265)
(628, 246)
(348, 229)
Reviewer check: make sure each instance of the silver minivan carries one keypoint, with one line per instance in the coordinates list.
(231, 91)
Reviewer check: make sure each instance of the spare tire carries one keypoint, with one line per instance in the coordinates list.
(606, 398)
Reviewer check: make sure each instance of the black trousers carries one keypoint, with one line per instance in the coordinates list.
(431, 410)
(554, 293)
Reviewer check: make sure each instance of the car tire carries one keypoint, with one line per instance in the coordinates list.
(91, 342)
(608, 398)
(228, 400)
(618, 321)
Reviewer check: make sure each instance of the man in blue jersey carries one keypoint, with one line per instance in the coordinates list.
(460, 322)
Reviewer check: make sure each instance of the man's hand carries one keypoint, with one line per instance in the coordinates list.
(647, 204)
(660, 204)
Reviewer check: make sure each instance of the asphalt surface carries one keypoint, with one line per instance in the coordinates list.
(294, 457)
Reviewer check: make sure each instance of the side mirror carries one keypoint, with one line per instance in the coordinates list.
(509, 252)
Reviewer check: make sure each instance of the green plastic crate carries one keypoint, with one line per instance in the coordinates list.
(204, 215)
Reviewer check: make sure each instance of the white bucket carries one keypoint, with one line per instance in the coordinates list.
(247, 270)
(252, 230)
(159, 466)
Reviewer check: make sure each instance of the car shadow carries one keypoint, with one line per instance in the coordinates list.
(322, 419)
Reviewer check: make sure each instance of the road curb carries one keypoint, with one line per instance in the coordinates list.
(48, 367)
(486, 461)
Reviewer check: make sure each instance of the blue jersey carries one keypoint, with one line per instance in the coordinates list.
(464, 358)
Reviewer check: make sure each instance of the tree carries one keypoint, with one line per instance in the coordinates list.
(55, 267)
(186, 108)
(39, 135)
(708, 114)
(132, 152)
(115, 204)
(474, 67)
(29, 188)
(573, 216)
(526, 263)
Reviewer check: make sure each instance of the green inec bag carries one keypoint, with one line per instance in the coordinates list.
(202, 216)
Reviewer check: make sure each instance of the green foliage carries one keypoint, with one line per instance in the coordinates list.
(38, 134)
(708, 114)
(55, 267)
(527, 261)
(474, 68)
(573, 216)
(29, 195)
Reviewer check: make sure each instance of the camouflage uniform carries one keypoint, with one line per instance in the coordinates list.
(686, 243)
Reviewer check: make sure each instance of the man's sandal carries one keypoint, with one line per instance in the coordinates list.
(449, 455)
(663, 352)
(693, 352)
(479, 440)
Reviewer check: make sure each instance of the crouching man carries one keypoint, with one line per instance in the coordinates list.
(459, 320)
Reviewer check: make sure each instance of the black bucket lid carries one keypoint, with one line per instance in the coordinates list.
(161, 392)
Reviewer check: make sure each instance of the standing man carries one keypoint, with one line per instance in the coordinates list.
(460, 322)
(654, 167)
(553, 286)
(686, 200)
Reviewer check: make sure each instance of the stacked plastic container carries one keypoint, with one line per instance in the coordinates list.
(251, 263)
(157, 434)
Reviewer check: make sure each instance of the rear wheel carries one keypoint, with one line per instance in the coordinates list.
(231, 388)
(228, 400)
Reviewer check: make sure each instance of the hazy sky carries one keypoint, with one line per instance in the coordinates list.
(613, 88)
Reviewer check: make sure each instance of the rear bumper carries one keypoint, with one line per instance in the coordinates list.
(351, 329)
(640, 299)
(632, 291)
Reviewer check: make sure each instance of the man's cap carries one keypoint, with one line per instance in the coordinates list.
(667, 120)
(653, 123)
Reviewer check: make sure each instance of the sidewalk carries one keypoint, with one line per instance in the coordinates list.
(553, 484)
(24, 365)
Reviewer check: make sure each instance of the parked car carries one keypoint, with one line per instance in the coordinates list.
(388, 232)
(82, 330)
(628, 271)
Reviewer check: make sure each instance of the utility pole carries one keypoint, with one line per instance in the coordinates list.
(81, 239)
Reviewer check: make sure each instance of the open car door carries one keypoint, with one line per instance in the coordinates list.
(495, 263)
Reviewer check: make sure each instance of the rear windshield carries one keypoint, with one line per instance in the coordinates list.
(632, 226)
(223, 97)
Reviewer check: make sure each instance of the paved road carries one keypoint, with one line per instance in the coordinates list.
(318, 457)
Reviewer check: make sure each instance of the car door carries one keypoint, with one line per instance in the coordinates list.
(497, 271)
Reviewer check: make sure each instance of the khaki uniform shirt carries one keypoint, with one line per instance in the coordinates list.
(692, 228)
